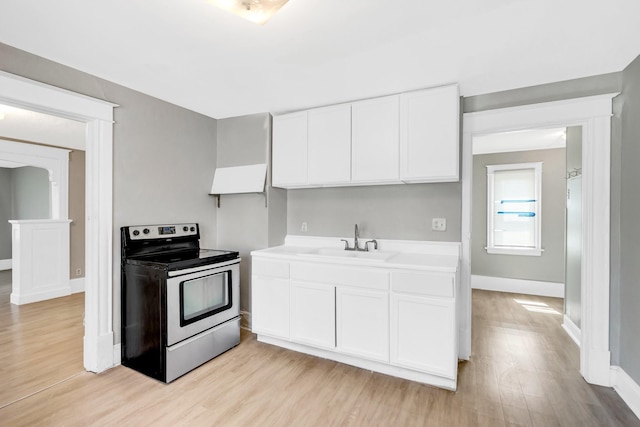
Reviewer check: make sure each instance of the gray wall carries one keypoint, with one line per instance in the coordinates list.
(163, 155)
(549, 267)
(76, 212)
(625, 109)
(31, 195)
(586, 86)
(5, 213)
(244, 223)
(381, 212)
(405, 211)
(573, 273)
(629, 285)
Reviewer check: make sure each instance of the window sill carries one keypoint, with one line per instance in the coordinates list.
(515, 251)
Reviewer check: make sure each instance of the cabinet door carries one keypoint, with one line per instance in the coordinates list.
(313, 314)
(290, 150)
(270, 298)
(429, 135)
(330, 145)
(375, 140)
(423, 335)
(362, 322)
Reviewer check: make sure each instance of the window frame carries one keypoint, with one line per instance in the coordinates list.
(491, 248)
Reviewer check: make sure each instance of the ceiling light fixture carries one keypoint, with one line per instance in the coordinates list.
(258, 11)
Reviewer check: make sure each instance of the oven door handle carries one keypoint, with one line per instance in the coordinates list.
(202, 268)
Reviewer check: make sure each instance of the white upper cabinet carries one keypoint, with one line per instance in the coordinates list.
(290, 150)
(329, 145)
(429, 135)
(375, 140)
(407, 138)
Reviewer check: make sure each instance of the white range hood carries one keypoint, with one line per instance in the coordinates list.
(239, 180)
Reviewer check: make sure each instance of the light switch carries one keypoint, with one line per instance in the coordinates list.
(439, 224)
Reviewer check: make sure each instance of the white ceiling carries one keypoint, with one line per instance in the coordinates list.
(19, 124)
(318, 52)
(527, 140)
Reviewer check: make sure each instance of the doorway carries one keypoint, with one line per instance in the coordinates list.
(97, 115)
(593, 115)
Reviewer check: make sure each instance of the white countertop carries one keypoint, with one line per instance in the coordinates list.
(416, 255)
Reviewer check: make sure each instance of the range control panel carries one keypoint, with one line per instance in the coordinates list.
(162, 231)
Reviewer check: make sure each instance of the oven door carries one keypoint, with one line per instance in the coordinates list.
(201, 300)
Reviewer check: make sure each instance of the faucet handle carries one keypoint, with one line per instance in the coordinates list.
(375, 245)
(346, 244)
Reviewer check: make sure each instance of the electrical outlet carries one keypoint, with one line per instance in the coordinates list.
(439, 224)
(303, 227)
(78, 272)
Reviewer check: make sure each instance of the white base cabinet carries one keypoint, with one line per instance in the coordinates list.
(313, 314)
(271, 306)
(271, 298)
(398, 322)
(422, 334)
(362, 324)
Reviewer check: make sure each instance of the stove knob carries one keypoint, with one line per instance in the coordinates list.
(185, 228)
(136, 232)
(193, 229)
(145, 231)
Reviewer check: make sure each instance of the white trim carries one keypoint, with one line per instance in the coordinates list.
(98, 115)
(627, 388)
(17, 299)
(77, 285)
(593, 113)
(117, 354)
(5, 264)
(53, 160)
(518, 286)
(572, 330)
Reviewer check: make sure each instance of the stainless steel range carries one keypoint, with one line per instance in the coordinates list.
(180, 303)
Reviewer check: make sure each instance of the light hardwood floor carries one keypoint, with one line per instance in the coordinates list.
(523, 372)
(40, 343)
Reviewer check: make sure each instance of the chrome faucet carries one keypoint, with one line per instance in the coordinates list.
(356, 244)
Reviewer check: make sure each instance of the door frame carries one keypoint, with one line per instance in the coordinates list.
(594, 114)
(97, 114)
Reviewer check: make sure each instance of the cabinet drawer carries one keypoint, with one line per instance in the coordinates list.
(347, 276)
(263, 267)
(421, 283)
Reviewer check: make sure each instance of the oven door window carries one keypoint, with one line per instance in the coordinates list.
(204, 296)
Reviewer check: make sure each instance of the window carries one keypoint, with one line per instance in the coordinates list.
(514, 209)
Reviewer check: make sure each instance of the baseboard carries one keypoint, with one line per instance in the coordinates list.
(39, 296)
(77, 285)
(5, 264)
(98, 352)
(117, 354)
(627, 388)
(245, 320)
(572, 330)
(518, 286)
